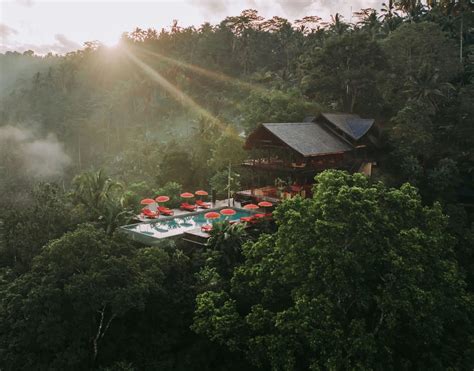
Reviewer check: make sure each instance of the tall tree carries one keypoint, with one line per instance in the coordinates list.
(357, 277)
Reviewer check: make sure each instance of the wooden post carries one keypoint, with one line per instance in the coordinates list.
(228, 186)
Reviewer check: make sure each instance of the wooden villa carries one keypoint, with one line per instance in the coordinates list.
(297, 151)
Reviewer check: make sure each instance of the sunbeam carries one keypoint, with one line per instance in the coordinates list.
(202, 71)
(177, 94)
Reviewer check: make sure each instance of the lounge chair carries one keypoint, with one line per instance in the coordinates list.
(202, 204)
(188, 207)
(165, 211)
(257, 218)
(150, 214)
(206, 228)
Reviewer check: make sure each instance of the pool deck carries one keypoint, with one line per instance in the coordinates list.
(195, 235)
(178, 212)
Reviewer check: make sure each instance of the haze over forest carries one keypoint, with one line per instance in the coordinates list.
(104, 106)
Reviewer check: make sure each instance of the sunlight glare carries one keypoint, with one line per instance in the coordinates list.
(177, 94)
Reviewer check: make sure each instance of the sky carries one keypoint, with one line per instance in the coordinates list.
(64, 25)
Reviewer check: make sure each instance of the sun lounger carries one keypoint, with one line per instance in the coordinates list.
(188, 207)
(165, 211)
(150, 214)
(206, 228)
(202, 204)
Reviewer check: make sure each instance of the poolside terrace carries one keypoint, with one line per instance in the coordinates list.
(185, 224)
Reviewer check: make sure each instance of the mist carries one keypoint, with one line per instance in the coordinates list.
(25, 152)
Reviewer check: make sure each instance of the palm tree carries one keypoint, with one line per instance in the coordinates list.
(338, 26)
(102, 197)
(368, 21)
(389, 17)
(425, 87)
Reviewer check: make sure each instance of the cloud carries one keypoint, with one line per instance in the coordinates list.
(62, 45)
(295, 8)
(6, 32)
(325, 8)
(209, 7)
(66, 43)
(27, 153)
(25, 2)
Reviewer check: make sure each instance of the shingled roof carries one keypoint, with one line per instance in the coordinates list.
(308, 138)
(351, 124)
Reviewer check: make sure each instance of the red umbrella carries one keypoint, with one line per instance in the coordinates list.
(251, 206)
(187, 195)
(212, 215)
(162, 199)
(147, 201)
(265, 204)
(201, 193)
(228, 212)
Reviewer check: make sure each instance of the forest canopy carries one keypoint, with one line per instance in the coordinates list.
(368, 273)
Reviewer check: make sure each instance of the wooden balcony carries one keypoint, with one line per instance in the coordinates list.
(308, 165)
(272, 194)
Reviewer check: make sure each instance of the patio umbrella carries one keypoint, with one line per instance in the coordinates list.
(147, 201)
(251, 207)
(162, 199)
(265, 204)
(201, 193)
(212, 215)
(228, 212)
(187, 195)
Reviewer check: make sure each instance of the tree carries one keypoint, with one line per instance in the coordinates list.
(342, 73)
(359, 276)
(226, 241)
(412, 48)
(220, 182)
(176, 166)
(228, 148)
(276, 106)
(45, 215)
(412, 142)
(101, 199)
(173, 191)
(59, 314)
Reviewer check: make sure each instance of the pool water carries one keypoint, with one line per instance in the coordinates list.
(173, 226)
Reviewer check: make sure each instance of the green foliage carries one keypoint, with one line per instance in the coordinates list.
(276, 106)
(362, 276)
(59, 314)
(177, 166)
(359, 276)
(228, 148)
(101, 199)
(422, 61)
(226, 240)
(220, 182)
(342, 73)
(43, 215)
(172, 190)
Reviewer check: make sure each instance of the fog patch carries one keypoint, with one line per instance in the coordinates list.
(25, 152)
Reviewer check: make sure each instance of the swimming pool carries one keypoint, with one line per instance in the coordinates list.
(176, 225)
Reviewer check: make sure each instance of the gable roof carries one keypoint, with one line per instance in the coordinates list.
(308, 138)
(351, 124)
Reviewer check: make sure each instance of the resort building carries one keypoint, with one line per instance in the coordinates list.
(285, 157)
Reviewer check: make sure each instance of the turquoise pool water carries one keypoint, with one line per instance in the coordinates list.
(173, 226)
